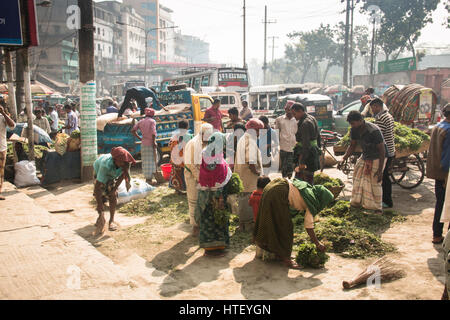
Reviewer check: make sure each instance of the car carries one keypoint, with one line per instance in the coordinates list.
(340, 118)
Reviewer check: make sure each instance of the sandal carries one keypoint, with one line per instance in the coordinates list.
(113, 226)
(291, 264)
(438, 240)
(214, 253)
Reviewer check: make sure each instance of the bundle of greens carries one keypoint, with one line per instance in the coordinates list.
(309, 256)
(327, 181)
(235, 185)
(405, 137)
(75, 134)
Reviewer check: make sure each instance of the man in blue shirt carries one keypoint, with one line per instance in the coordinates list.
(139, 94)
(111, 108)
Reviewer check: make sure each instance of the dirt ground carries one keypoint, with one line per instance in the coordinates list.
(164, 242)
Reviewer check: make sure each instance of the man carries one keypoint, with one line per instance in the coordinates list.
(22, 117)
(71, 121)
(370, 92)
(233, 113)
(111, 108)
(147, 126)
(54, 120)
(5, 120)
(307, 150)
(41, 122)
(246, 113)
(75, 110)
(385, 121)
(287, 126)
(110, 170)
(438, 162)
(139, 94)
(265, 142)
(368, 172)
(192, 162)
(214, 116)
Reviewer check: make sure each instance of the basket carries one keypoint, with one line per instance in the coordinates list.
(337, 190)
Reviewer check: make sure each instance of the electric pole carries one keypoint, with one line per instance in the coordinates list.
(350, 80)
(10, 79)
(346, 46)
(372, 53)
(273, 47)
(245, 63)
(88, 124)
(265, 42)
(28, 100)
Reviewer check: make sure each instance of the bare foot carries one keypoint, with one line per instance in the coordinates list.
(113, 226)
(100, 227)
(291, 264)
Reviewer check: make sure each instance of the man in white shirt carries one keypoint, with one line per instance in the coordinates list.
(41, 122)
(246, 113)
(287, 126)
(5, 120)
(55, 119)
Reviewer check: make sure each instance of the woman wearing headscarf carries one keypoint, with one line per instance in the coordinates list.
(177, 143)
(192, 162)
(212, 199)
(147, 126)
(273, 233)
(110, 170)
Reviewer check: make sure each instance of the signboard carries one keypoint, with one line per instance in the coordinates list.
(88, 124)
(426, 102)
(406, 64)
(10, 24)
(176, 97)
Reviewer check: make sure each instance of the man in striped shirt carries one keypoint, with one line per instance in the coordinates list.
(385, 121)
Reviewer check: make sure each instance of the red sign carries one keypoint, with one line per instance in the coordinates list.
(32, 34)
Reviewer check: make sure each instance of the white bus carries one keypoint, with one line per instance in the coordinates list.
(263, 99)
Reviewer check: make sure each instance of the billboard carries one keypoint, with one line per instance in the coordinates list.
(10, 24)
(405, 64)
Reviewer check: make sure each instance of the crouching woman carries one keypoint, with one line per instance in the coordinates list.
(110, 170)
(274, 230)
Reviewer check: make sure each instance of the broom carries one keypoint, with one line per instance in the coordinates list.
(388, 272)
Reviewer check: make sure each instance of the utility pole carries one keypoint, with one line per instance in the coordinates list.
(372, 53)
(28, 102)
(273, 47)
(88, 125)
(245, 63)
(347, 27)
(20, 94)
(265, 42)
(10, 79)
(351, 47)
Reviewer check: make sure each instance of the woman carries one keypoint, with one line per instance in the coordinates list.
(176, 144)
(214, 175)
(273, 232)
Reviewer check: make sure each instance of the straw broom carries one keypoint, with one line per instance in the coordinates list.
(388, 272)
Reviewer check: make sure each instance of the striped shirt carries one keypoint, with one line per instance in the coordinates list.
(385, 122)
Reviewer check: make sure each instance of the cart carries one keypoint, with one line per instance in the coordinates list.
(407, 169)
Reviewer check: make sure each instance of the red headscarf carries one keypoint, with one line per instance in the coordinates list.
(289, 104)
(254, 124)
(121, 154)
(365, 99)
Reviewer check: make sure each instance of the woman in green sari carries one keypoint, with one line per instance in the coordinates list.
(211, 211)
(273, 233)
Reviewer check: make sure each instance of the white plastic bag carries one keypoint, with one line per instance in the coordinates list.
(139, 189)
(25, 174)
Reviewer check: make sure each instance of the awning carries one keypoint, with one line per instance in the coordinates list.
(52, 83)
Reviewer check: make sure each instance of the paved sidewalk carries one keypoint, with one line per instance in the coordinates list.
(42, 259)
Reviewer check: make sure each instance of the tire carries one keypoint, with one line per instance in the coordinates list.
(414, 175)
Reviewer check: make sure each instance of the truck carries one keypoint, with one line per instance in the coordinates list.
(180, 104)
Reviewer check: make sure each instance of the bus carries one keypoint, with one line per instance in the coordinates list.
(232, 79)
(263, 99)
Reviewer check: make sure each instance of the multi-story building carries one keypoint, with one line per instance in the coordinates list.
(191, 49)
(166, 35)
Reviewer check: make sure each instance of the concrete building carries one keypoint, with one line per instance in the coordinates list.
(191, 49)
(166, 35)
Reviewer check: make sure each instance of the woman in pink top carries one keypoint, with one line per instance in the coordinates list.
(147, 126)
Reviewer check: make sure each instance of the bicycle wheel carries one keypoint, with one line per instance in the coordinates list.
(408, 172)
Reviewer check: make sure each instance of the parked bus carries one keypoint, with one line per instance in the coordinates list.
(232, 79)
(263, 99)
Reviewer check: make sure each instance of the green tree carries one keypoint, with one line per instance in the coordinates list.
(401, 23)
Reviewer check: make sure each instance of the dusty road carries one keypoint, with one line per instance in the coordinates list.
(167, 252)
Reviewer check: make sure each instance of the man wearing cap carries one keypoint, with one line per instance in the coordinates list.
(110, 170)
(438, 162)
(287, 125)
(147, 126)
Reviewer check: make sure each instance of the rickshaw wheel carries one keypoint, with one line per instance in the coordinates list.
(413, 173)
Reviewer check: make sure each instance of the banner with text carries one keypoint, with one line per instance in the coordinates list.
(88, 124)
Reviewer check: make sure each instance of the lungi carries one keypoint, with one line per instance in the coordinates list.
(148, 161)
(2, 167)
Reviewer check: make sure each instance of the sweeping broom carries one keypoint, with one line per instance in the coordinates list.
(388, 272)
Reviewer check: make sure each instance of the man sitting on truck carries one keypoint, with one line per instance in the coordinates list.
(139, 94)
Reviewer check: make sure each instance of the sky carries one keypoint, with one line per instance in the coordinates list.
(220, 23)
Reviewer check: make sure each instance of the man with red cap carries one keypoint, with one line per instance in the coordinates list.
(110, 170)
(147, 126)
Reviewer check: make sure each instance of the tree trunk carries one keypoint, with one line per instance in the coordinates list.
(411, 45)
(325, 73)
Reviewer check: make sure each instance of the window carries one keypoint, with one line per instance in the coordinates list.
(223, 100)
(232, 100)
(205, 103)
(98, 47)
(353, 107)
(103, 31)
(205, 81)
(197, 84)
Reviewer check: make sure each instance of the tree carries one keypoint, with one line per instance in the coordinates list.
(401, 23)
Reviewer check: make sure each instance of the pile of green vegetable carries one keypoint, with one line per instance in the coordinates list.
(235, 185)
(309, 256)
(347, 231)
(405, 137)
(38, 153)
(75, 134)
(327, 181)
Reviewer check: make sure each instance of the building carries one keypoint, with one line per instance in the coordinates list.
(166, 35)
(191, 49)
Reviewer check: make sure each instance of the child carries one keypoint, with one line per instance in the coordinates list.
(255, 198)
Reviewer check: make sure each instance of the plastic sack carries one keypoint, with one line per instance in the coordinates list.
(25, 174)
(61, 143)
(139, 189)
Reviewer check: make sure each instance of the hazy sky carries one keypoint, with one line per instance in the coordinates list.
(219, 22)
